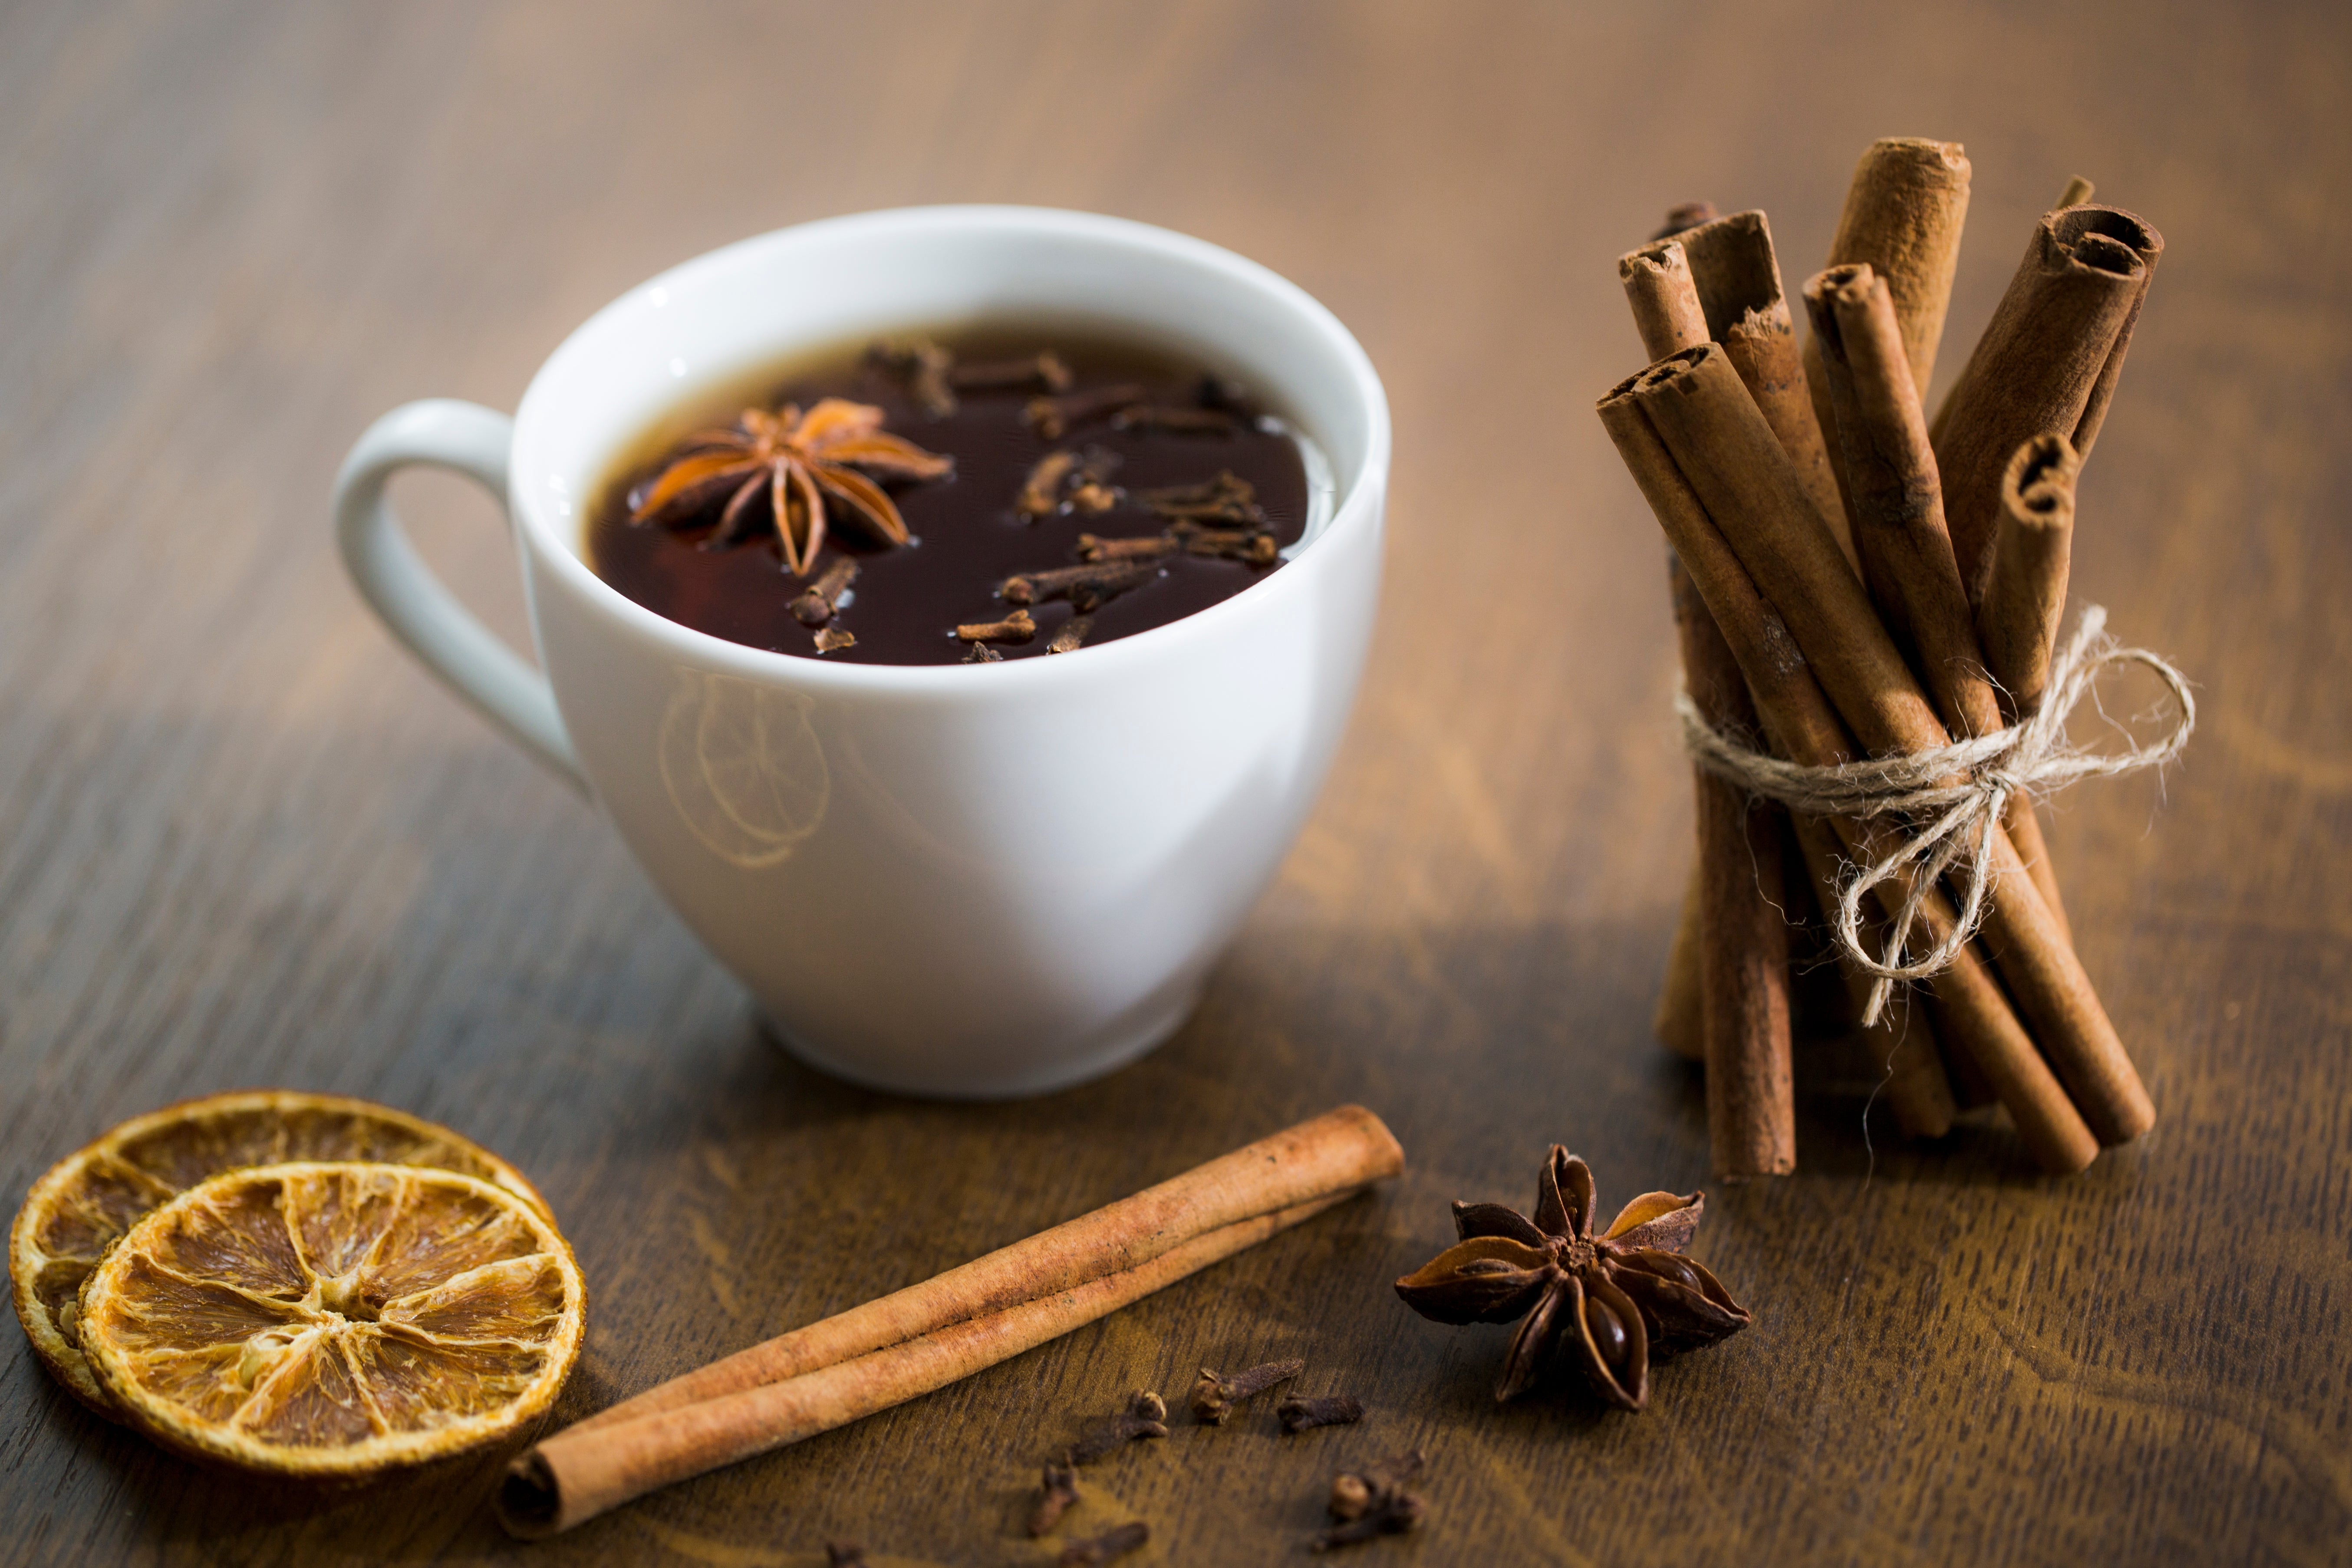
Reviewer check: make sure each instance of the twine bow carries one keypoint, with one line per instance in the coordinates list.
(1950, 796)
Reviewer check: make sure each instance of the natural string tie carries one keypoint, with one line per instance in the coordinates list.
(1949, 797)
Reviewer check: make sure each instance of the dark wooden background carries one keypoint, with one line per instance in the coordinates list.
(244, 840)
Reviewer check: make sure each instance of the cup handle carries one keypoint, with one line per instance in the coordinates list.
(469, 439)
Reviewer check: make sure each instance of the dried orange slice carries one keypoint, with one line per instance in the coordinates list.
(92, 1196)
(334, 1320)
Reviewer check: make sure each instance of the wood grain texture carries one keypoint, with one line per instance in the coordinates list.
(244, 840)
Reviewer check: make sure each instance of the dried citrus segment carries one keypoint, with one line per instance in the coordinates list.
(426, 1313)
(90, 1198)
(520, 1298)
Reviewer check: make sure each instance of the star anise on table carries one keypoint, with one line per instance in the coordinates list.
(1617, 1299)
(792, 461)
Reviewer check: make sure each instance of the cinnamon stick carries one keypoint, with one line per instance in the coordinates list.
(1336, 1151)
(1895, 495)
(1666, 312)
(1751, 1107)
(1723, 447)
(1903, 216)
(1805, 727)
(1680, 1022)
(2025, 593)
(2048, 361)
(2024, 598)
(586, 1470)
(1737, 275)
(2078, 191)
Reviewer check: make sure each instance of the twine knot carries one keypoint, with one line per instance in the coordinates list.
(1946, 799)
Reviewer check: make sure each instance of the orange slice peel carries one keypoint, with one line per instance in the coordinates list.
(334, 1320)
(86, 1202)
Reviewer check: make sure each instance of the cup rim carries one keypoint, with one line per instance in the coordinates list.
(1357, 512)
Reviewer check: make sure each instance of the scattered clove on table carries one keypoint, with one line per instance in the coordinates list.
(1146, 1415)
(1056, 1493)
(1356, 1493)
(1298, 1414)
(1214, 1396)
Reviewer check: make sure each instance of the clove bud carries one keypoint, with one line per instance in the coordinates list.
(1041, 492)
(1355, 1494)
(1252, 549)
(1298, 1414)
(1146, 1415)
(1213, 1397)
(1175, 421)
(1055, 1494)
(1014, 627)
(1053, 418)
(1084, 586)
(1227, 499)
(1401, 1512)
(923, 366)
(817, 605)
(1093, 547)
(1045, 372)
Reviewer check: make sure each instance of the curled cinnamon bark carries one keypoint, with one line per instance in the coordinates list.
(2025, 593)
(2048, 361)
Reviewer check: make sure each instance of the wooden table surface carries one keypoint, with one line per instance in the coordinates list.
(245, 840)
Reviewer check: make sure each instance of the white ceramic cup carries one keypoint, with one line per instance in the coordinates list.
(969, 880)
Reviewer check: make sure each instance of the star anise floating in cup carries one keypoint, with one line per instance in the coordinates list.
(1616, 1298)
(792, 461)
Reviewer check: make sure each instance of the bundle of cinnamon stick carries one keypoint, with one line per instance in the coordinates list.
(1850, 580)
(929, 1335)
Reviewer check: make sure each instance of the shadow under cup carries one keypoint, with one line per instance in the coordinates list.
(965, 879)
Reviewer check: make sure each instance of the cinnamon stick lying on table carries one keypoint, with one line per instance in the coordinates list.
(2048, 361)
(1751, 1106)
(1722, 445)
(1805, 727)
(929, 1335)
(2025, 592)
(1897, 504)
